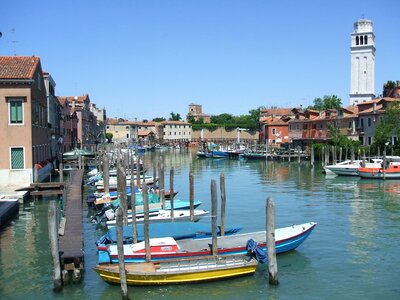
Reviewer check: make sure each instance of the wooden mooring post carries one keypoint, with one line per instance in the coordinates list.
(214, 248)
(53, 237)
(133, 204)
(146, 222)
(272, 262)
(121, 258)
(191, 196)
(161, 182)
(61, 172)
(223, 203)
(171, 191)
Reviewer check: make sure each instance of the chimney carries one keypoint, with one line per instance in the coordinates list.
(374, 107)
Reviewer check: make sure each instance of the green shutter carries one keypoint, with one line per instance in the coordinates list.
(17, 158)
(19, 112)
(16, 112)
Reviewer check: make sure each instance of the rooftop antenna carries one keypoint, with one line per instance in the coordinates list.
(14, 41)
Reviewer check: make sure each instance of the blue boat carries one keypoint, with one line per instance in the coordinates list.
(217, 154)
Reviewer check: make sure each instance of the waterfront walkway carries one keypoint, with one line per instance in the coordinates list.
(71, 243)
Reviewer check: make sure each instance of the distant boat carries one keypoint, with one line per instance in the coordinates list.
(182, 271)
(391, 172)
(164, 216)
(179, 231)
(217, 154)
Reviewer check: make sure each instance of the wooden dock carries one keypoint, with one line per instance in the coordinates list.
(71, 243)
(44, 188)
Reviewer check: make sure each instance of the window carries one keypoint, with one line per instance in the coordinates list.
(362, 122)
(127, 135)
(357, 40)
(369, 122)
(369, 140)
(350, 124)
(365, 40)
(16, 112)
(273, 131)
(313, 126)
(321, 126)
(17, 158)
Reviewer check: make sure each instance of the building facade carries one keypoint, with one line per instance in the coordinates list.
(176, 131)
(362, 86)
(53, 115)
(87, 129)
(24, 128)
(196, 112)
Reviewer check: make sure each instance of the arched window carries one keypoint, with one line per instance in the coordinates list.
(357, 40)
(361, 40)
(365, 40)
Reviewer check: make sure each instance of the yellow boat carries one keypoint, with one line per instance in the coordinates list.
(186, 270)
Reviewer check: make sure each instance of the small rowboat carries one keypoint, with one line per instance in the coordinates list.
(180, 271)
(286, 239)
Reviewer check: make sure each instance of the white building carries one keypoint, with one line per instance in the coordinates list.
(362, 86)
(177, 131)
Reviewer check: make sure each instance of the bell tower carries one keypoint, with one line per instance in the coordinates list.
(362, 86)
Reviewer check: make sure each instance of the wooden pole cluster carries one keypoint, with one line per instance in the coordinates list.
(272, 262)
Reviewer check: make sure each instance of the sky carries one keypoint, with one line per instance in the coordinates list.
(145, 59)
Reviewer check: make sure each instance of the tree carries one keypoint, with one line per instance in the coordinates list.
(222, 119)
(388, 127)
(327, 102)
(109, 137)
(158, 119)
(389, 86)
(175, 117)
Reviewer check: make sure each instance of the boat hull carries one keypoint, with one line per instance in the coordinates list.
(227, 245)
(178, 272)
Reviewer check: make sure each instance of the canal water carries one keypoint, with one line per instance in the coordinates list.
(353, 253)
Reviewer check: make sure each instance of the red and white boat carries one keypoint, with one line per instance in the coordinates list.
(392, 171)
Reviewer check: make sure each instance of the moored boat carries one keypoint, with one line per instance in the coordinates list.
(165, 216)
(391, 172)
(189, 270)
(286, 239)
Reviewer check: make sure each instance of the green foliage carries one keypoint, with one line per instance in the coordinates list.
(192, 120)
(388, 127)
(390, 85)
(109, 136)
(158, 119)
(175, 117)
(327, 102)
